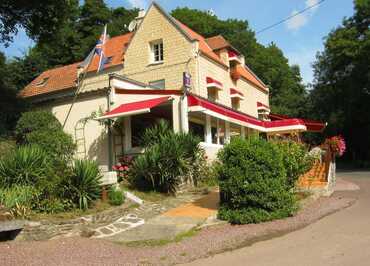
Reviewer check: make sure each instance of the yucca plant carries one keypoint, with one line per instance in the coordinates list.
(154, 134)
(84, 185)
(161, 167)
(27, 165)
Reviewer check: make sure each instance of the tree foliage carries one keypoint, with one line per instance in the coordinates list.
(40, 19)
(341, 92)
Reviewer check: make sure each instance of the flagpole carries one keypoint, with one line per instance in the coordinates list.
(102, 49)
(80, 77)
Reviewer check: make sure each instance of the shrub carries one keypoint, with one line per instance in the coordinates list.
(253, 183)
(6, 146)
(19, 199)
(43, 129)
(116, 196)
(33, 121)
(83, 187)
(160, 168)
(169, 159)
(27, 165)
(296, 160)
(57, 144)
(154, 134)
(53, 205)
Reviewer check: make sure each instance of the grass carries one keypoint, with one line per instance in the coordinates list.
(302, 195)
(6, 145)
(150, 196)
(163, 242)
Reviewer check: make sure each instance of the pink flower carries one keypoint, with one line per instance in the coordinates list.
(120, 168)
(337, 144)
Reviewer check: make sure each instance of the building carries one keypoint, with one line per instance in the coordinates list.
(161, 70)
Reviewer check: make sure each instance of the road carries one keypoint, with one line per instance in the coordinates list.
(342, 238)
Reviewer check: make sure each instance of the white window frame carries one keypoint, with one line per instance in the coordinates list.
(156, 52)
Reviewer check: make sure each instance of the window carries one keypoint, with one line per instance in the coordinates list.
(158, 84)
(156, 51)
(42, 82)
(141, 122)
(235, 103)
(108, 60)
(196, 129)
(212, 95)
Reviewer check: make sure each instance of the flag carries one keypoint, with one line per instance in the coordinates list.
(85, 64)
(97, 50)
(100, 51)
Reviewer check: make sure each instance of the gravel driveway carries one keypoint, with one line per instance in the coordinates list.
(212, 240)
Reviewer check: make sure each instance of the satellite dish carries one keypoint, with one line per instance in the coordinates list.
(132, 26)
(211, 12)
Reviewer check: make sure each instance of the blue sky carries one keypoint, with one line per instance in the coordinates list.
(300, 38)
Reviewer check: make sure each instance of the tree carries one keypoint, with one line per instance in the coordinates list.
(287, 92)
(10, 105)
(341, 92)
(40, 19)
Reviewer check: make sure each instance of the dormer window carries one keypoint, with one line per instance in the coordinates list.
(42, 82)
(108, 60)
(213, 86)
(156, 50)
(233, 57)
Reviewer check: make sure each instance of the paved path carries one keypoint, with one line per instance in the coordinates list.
(165, 226)
(339, 239)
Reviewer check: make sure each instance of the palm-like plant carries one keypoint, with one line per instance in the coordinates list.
(84, 184)
(27, 165)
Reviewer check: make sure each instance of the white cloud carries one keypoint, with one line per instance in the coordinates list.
(302, 19)
(312, 3)
(138, 3)
(304, 57)
(296, 22)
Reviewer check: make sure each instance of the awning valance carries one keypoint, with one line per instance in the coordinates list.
(311, 125)
(197, 103)
(213, 83)
(134, 108)
(234, 93)
(200, 104)
(233, 56)
(262, 107)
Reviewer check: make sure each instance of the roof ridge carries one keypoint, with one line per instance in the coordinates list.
(255, 75)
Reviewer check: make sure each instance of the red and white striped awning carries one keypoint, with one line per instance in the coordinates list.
(311, 125)
(213, 83)
(199, 104)
(233, 56)
(234, 93)
(135, 108)
(262, 107)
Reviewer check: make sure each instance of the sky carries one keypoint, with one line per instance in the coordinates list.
(300, 38)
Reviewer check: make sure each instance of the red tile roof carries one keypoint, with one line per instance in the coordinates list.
(64, 77)
(61, 78)
(250, 76)
(115, 48)
(58, 79)
(217, 42)
(203, 46)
